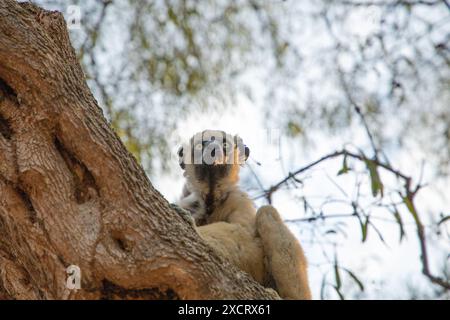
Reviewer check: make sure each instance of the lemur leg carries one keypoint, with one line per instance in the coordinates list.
(286, 261)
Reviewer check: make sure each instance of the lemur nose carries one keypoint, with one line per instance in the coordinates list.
(213, 154)
(218, 156)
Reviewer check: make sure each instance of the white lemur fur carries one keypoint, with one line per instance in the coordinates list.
(257, 242)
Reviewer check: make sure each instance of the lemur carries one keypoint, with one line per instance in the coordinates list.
(257, 242)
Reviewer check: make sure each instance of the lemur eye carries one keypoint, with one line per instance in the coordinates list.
(226, 145)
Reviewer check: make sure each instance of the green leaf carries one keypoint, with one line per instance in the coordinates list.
(294, 129)
(412, 209)
(356, 279)
(408, 7)
(364, 228)
(337, 273)
(399, 221)
(376, 184)
(345, 167)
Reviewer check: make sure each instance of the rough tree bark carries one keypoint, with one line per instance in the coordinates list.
(71, 194)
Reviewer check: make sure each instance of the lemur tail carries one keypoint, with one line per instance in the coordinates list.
(284, 256)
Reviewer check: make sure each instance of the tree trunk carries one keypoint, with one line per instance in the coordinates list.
(71, 194)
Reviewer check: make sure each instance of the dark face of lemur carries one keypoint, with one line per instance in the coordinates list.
(211, 161)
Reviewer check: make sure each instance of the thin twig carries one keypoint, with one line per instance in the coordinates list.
(410, 194)
(447, 3)
(268, 193)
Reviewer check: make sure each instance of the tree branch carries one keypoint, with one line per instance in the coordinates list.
(408, 199)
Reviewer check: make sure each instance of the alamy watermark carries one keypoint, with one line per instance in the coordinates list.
(73, 281)
(224, 148)
(73, 17)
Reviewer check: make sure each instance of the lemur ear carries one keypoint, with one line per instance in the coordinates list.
(180, 158)
(241, 147)
(247, 152)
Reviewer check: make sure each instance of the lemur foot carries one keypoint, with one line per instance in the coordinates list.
(186, 215)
